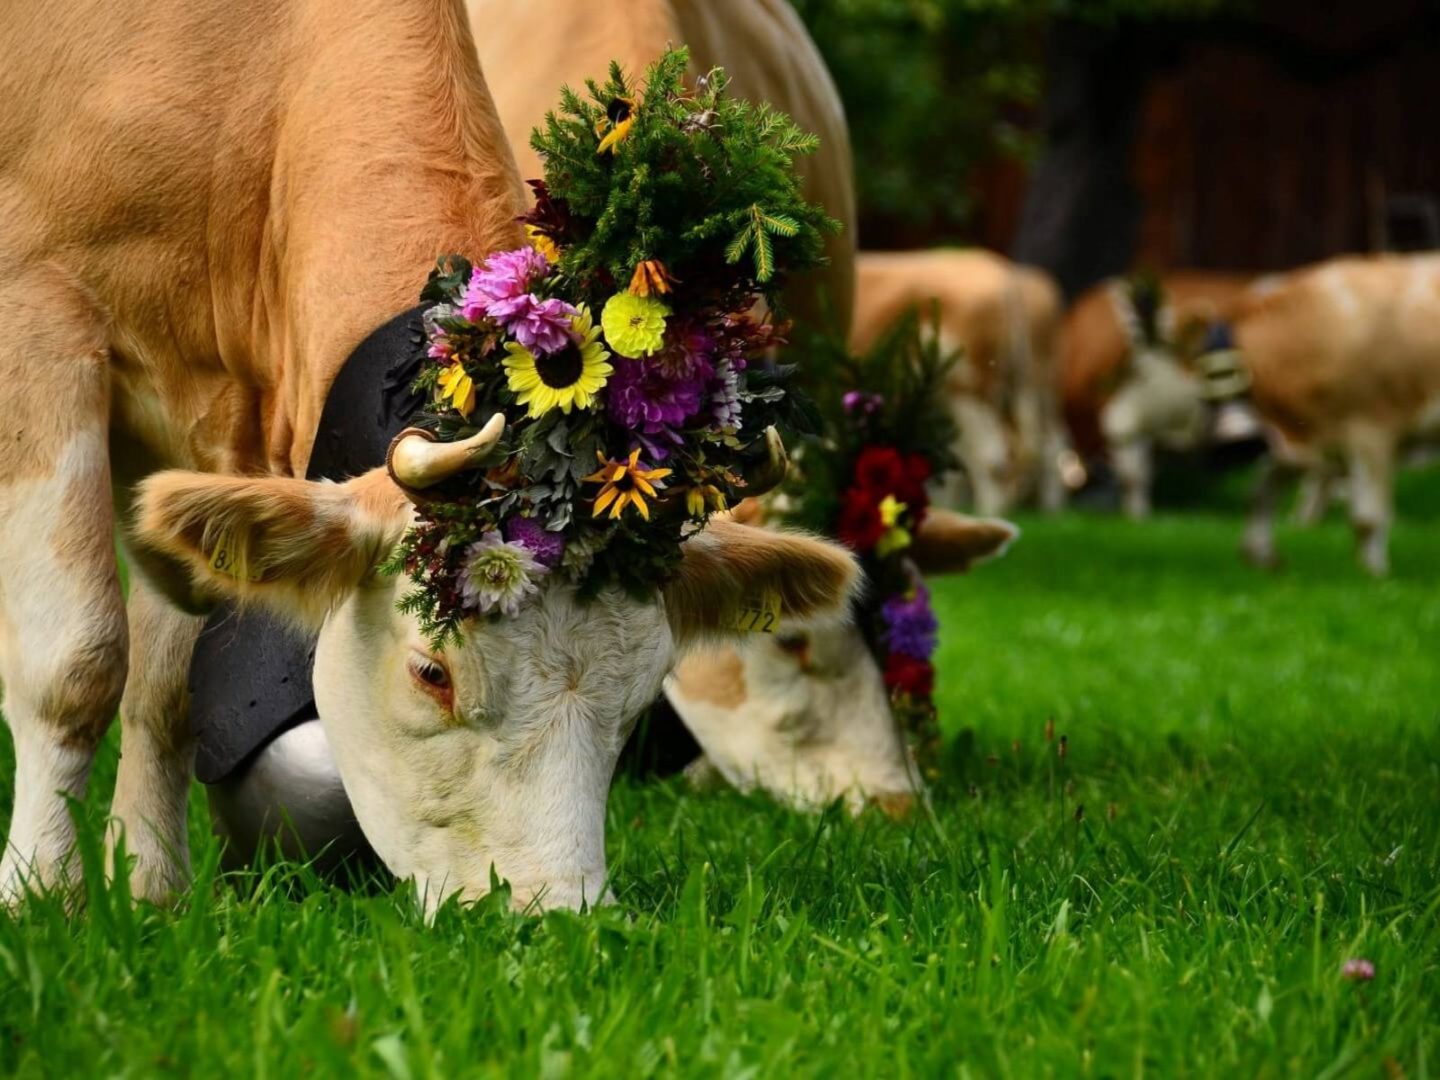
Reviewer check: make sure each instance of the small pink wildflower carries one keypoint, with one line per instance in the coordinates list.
(1357, 969)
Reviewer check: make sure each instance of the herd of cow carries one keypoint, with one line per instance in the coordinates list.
(206, 207)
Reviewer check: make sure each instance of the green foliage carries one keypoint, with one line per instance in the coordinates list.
(936, 89)
(662, 193)
(1269, 745)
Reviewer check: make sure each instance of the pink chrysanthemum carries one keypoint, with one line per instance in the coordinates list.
(499, 287)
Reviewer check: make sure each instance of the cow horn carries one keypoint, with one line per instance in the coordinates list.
(417, 460)
(771, 473)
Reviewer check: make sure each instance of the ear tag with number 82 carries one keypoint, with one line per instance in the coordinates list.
(225, 560)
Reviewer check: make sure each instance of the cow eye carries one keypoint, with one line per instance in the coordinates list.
(429, 672)
(793, 642)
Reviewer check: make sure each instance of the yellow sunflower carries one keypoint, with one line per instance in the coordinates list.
(625, 483)
(569, 378)
(542, 243)
(458, 388)
(620, 114)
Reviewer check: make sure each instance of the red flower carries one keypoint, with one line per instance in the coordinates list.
(881, 470)
(909, 675)
(913, 493)
(860, 526)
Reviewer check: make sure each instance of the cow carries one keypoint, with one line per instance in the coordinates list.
(1130, 380)
(529, 49)
(804, 714)
(1344, 361)
(204, 208)
(1002, 394)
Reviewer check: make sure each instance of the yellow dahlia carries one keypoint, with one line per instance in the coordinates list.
(634, 325)
(624, 483)
(568, 378)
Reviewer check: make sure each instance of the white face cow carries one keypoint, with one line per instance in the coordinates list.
(499, 751)
(804, 714)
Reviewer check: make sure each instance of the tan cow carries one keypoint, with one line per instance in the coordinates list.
(1344, 359)
(528, 49)
(1126, 393)
(804, 714)
(204, 208)
(1003, 393)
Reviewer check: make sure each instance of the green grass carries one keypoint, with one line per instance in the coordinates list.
(1258, 763)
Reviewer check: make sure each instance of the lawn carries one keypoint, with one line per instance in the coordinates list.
(1251, 796)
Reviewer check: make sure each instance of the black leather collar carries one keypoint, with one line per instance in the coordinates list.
(250, 675)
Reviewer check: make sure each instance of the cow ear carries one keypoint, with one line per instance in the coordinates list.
(296, 546)
(732, 576)
(947, 542)
(749, 512)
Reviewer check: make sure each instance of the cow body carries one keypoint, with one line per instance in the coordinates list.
(530, 49)
(1125, 395)
(204, 208)
(1003, 393)
(1344, 360)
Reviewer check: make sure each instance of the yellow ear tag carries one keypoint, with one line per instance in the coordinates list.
(758, 614)
(225, 560)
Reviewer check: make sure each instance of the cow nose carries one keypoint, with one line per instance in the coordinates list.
(896, 805)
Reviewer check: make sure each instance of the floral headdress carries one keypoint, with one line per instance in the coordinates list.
(887, 435)
(595, 396)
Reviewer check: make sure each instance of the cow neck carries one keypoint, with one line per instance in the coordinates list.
(250, 673)
(388, 154)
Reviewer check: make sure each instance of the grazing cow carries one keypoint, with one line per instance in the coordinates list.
(1003, 392)
(528, 49)
(1127, 389)
(205, 207)
(1344, 360)
(804, 714)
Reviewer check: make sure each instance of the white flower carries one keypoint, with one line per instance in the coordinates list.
(497, 575)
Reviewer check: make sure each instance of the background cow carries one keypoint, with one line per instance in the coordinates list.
(1127, 390)
(1344, 359)
(1006, 317)
(804, 714)
(206, 207)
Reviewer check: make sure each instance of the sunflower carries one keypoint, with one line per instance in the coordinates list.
(543, 243)
(621, 115)
(625, 483)
(458, 388)
(569, 378)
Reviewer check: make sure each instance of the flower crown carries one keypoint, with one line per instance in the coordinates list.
(594, 397)
(886, 435)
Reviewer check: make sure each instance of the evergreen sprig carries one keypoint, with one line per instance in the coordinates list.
(663, 193)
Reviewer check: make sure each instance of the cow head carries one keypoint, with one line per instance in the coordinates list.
(496, 752)
(804, 713)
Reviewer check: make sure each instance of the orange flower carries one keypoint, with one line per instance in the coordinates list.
(625, 483)
(651, 277)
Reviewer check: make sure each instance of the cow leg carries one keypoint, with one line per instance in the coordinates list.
(1258, 544)
(1370, 453)
(1053, 446)
(157, 752)
(63, 637)
(984, 452)
(1134, 468)
(1314, 497)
